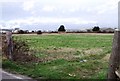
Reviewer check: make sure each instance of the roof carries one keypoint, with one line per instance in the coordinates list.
(7, 30)
(107, 29)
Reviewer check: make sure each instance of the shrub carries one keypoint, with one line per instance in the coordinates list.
(21, 52)
(4, 46)
(61, 28)
(21, 32)
(39, 32)
(96, 29)
(33, 31)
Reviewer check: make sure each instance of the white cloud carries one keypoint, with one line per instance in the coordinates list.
(8, 0)
(97, 6)
(10, 26)
(85, 11)
(46, 20)
(107, 6)
(28, 5)
(1, 26)
(48, 8)
(74, 9)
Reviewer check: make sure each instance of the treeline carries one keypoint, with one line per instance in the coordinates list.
(62, 29)
(27, 32)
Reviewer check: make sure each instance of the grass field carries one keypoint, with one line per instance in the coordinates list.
(66, 56)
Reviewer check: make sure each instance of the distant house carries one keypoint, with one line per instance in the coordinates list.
(4, 30)
(75, 31)
(15, 30)
(107, 30)
(11, 30)
(89, 30)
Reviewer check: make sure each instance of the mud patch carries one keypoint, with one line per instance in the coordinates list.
(63, 50)
(69, 54)
(106, 58)
(94, 51)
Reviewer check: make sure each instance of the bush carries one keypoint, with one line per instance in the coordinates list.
(39, 32)
(96, 29)
(21, 52)
(61, 28)
(4, 46)
(21, 32)
(33, 31)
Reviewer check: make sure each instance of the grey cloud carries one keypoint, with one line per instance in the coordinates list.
(13, 10)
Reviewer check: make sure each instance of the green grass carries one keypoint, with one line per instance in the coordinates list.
(68, 56)
(71, 41)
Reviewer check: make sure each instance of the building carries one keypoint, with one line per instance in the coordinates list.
(107, 30)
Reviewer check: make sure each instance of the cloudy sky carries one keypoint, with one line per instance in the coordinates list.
(50, 14)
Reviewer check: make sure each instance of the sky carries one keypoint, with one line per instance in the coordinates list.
(50, 14)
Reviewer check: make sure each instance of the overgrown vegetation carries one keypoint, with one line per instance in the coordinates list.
(65, 56)
(21, 52)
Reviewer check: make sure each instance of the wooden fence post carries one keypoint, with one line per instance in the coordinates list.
(114, 62)
(9, 45)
